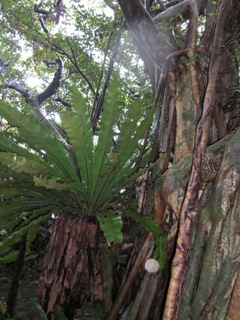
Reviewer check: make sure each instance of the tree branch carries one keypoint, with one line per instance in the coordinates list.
(155, 45)
(3, 66)
(163, 75)
(65, 103)
(35, 101)
(53, 86)
(193, 29)
(74, 62)
(181, 8)
(97, 111)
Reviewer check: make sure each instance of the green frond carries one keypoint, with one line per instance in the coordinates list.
(104, 144)
(78, 127)
(83, 151)
(31, 234)
(121, 168)
(80, 109)
(11, 211)
(25, 164)
(7, 144)
(129, 127)
(73, 187)
(39, 138)
(130, 156)
(17, 235)
(111, 225)
(10, 257)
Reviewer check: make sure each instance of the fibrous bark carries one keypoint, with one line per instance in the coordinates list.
(71, 276)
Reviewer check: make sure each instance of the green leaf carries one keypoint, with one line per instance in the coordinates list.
(80, 110)
(39, 138)
(129, 127)
(41, 315)
(60, 314)
(106, 190)
(130, 155)
(12, 239)
(111, 225)
(41, 181)
(8, 145)
(31, 234)
(31, 256)
(76, 135)
(23, 164)
(17, 235)
(104, 144)
(145, 221)
(11, 257)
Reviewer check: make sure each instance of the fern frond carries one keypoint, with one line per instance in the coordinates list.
(39, 138)
(78, 127)
(111, 225)
(25, 164)
(104, 144)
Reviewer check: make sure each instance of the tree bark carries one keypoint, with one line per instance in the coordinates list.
(71, 276)
(215, 258)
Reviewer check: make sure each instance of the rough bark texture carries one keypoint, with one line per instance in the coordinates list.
(71, 276)
(214, 258)
(215, 250)
(233, 308)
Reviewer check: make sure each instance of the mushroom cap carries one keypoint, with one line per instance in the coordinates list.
(152, 266)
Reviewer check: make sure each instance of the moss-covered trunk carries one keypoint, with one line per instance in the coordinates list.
(210, 289)
(214, 259)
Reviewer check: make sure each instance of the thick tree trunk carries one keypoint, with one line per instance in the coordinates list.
(71, 276)
(214, 260)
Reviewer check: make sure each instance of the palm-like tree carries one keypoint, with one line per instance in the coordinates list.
(80, 178)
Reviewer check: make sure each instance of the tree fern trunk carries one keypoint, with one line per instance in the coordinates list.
(71, 276)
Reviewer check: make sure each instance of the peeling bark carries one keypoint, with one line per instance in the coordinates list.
(71, 276)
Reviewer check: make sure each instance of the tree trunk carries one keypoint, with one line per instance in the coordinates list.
(71, 276)
(214, 260)
(200, 86)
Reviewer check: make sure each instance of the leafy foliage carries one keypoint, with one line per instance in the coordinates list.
(111, 224)
(40, 176)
